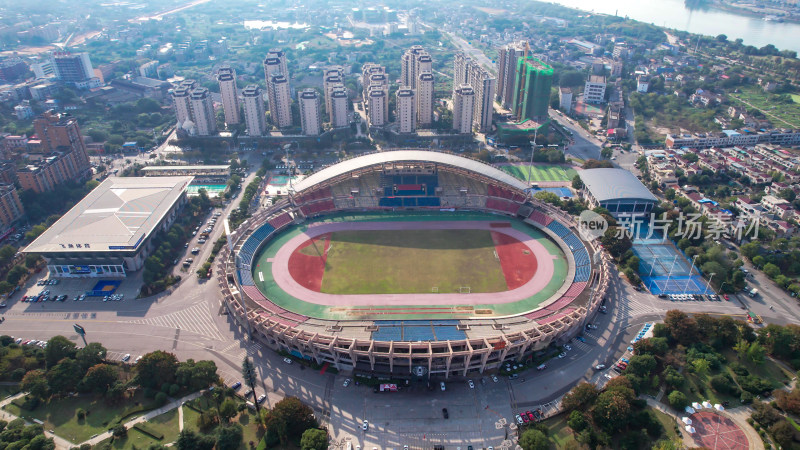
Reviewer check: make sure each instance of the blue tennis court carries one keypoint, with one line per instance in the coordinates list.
(559, 191)
(694, 284)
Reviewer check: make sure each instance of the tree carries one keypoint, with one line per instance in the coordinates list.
(577, 183)
(756, 353)
(612, 409)
(642, 365)
(58, 348)
(678, 400)
(99, 377)
(229, 437)
(741, 348)
(249, 375)
(701, 366)
(783, 433)
(189, 440)
(314, 439)
(156, 368)
(64, 376)
(290, 418)
(91, 355)
(119, 431)
(227, 410)
(533, 439)
(16, 273)
(682, 328)
(606, 153)
(35, 383)
(579, 397)
(577, 421)
(7, 253)
(196, 375)
(31, 259)
(788, 401)
(771, 270)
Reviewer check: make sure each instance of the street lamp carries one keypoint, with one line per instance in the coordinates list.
(686, 286)
(709, 282)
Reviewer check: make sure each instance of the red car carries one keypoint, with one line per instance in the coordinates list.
(530, 416)
(726, 297)
(525, 418)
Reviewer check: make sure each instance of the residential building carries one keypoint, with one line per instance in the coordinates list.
(331, 78)
(405, 110)
(226, 77)
(414, 61)
(565, 99)
(594, 90)
(507, 71)
(142, 87)
(425, 98)
(338, 111)
(731, 138)
(255, 114)
(484, 84)
(463, 108)
(642, 84)
(72, 67)
(180, 96)
(60, 132)
(377, 111)
(616, 69)
(23, 111)
(205, 121)
(12, 68)
(149, 69)
(43, 69)
(310, 119)
(461, 63)
(280, 101)
(11, 210)
(532, 89)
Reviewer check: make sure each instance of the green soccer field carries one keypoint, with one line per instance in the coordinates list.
(541, 172)
(412, 261)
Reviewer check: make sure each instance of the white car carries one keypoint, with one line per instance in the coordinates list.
(494, 378)
(519, 419)
(471, 384)
(287, 360)
(567, 347)
(126, 357)
(138, 358)
(441, 385)
(561, 355)
(346, 382)
(365, 425)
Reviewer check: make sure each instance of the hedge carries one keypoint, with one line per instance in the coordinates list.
(145, 428)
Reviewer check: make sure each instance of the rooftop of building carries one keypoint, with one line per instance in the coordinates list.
(615, 184)
(116, 216)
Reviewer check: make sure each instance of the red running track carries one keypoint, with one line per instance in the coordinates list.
(283, 276)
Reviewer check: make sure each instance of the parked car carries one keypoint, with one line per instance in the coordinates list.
(445, 414)
(365, 425)
(346, 382)
(126, 357)
(600, 367)
(441, 385)
(236, 385)
(261, 398)
(287, 360)
(471, 384)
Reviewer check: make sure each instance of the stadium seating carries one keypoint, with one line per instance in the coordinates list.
(502, 205)
(245, 278)
(280, 221)
(540, 218)
(448, 333)
(387, 333)
(390, 202)
(558, 229)
(573, 242)
(582, 273)
(318, 207)
(575, 289)
(581, 257)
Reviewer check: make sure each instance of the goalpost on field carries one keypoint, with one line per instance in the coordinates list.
(464, 290)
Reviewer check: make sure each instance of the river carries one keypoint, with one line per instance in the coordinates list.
(675, 14)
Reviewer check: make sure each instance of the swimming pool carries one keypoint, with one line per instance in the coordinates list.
(212, 189)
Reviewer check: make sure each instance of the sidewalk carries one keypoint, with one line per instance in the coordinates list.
(61, 443)
(156, 412)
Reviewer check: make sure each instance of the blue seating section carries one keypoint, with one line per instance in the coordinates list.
(582, 273)
(581, 257)
(417, 330)
(558, 229)
(390, 202)
(245, 257)
(572, 242)
(388, 334)
(448, 333)
(251, 244)
(246, 278)
(429, 201)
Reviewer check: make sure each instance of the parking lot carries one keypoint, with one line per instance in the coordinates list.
(74, 289)
(479, 416)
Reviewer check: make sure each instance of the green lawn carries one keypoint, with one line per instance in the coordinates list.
(247, 419)
(166, 423)
(560, 434)
(766, 102)
(60, 415)
(411, 261)
(669, 424)
(541, 172)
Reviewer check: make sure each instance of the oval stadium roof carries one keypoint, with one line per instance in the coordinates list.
(615, 184)
(373, 159)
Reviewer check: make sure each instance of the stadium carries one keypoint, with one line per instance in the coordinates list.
(411, 263)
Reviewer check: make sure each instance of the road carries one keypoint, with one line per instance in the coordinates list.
(585, 145)
(473, 52)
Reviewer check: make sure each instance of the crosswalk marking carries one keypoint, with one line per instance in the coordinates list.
(195, 318)
(251, 350)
